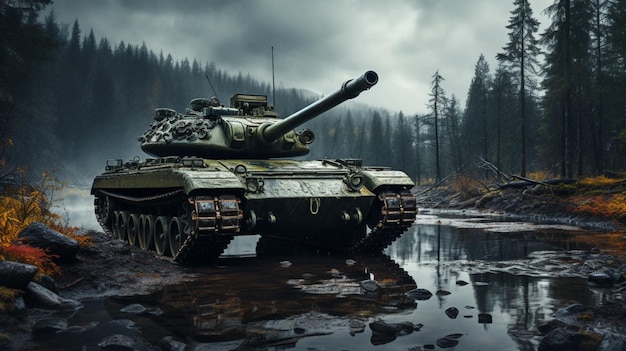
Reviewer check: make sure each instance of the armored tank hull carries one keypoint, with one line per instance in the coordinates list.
(191, 208)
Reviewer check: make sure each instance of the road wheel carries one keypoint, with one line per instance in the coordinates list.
(176, 235)
(161, 229)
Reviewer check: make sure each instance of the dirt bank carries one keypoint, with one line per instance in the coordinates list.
(114, 268)
(538, 204)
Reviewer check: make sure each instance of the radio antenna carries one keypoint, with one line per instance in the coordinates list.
(273, 84)
(214, 92)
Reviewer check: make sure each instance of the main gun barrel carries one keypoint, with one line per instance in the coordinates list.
(349, 90)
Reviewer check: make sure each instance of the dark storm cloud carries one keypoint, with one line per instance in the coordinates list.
(318, 44)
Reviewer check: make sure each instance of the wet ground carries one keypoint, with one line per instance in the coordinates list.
(493, 282)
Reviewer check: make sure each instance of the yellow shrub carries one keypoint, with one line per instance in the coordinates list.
(7, 298)
(539, 175)
(23, 204)
(601, 180)
(466, 186)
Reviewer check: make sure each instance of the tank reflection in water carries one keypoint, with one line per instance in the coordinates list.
(289, 299)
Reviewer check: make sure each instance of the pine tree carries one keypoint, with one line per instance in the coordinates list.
(503, 103)
(476, 124)
(521, 52)
(453, 118)
(569, 79)
(437, 104)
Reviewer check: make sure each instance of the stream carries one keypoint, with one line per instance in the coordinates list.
(493, 282)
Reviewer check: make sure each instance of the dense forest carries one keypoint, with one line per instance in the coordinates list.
(556, 102)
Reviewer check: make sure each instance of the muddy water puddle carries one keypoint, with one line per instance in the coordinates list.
(492, 282)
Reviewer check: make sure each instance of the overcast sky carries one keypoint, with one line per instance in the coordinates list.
(318, 44)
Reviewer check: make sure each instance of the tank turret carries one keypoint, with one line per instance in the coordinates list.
(249, 128)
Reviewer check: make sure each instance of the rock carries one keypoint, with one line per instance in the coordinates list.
(38, 296)
(118, 342)
(419, 294)
(155, 311)
(449, 341)
(169, 344)
(452, 312)
(485, 318)
(48, 326)
(357, 326)
(461, 282)
(396, 329)
(16, 275)
(612, 342)
(442, 293)
(134, 308)
(569, 314)
(605, 278)
(39, 235)
(591, 266)
(370, 287)
(556, 340)
(49, 283)
(382, 327)
(381, 339)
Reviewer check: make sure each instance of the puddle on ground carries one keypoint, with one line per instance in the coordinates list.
(491, 281)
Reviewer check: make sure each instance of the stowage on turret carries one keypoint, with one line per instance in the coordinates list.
(219, 172)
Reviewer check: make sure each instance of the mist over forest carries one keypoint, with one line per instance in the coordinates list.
(71, 100)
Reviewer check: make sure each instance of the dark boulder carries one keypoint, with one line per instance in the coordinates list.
(38, 296)
(571, 314)
(370, 287)
(383, 332)
(605, 278)
(134, 308)
(119, 342)
(612, 342)
(16, 275)
(49, 283)
(168, 343)
(556, 340)
(452, 312)
(419, 294)
(39, 235)
(48, 326)
(383, 327)
(485, 318)
(449, 341)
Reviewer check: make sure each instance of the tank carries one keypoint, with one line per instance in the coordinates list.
(217, 172)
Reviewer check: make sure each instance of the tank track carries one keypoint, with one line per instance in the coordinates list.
(209, 223)
(397, 214)
(215, 220)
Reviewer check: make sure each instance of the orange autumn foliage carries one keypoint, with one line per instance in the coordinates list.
(607, 206)
(31, 255)
(22, 204)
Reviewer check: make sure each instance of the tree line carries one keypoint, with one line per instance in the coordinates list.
(564, 115)
(69, 101)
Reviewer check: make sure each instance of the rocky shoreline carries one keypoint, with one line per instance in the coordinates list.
(92, 273)
(112, 268)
